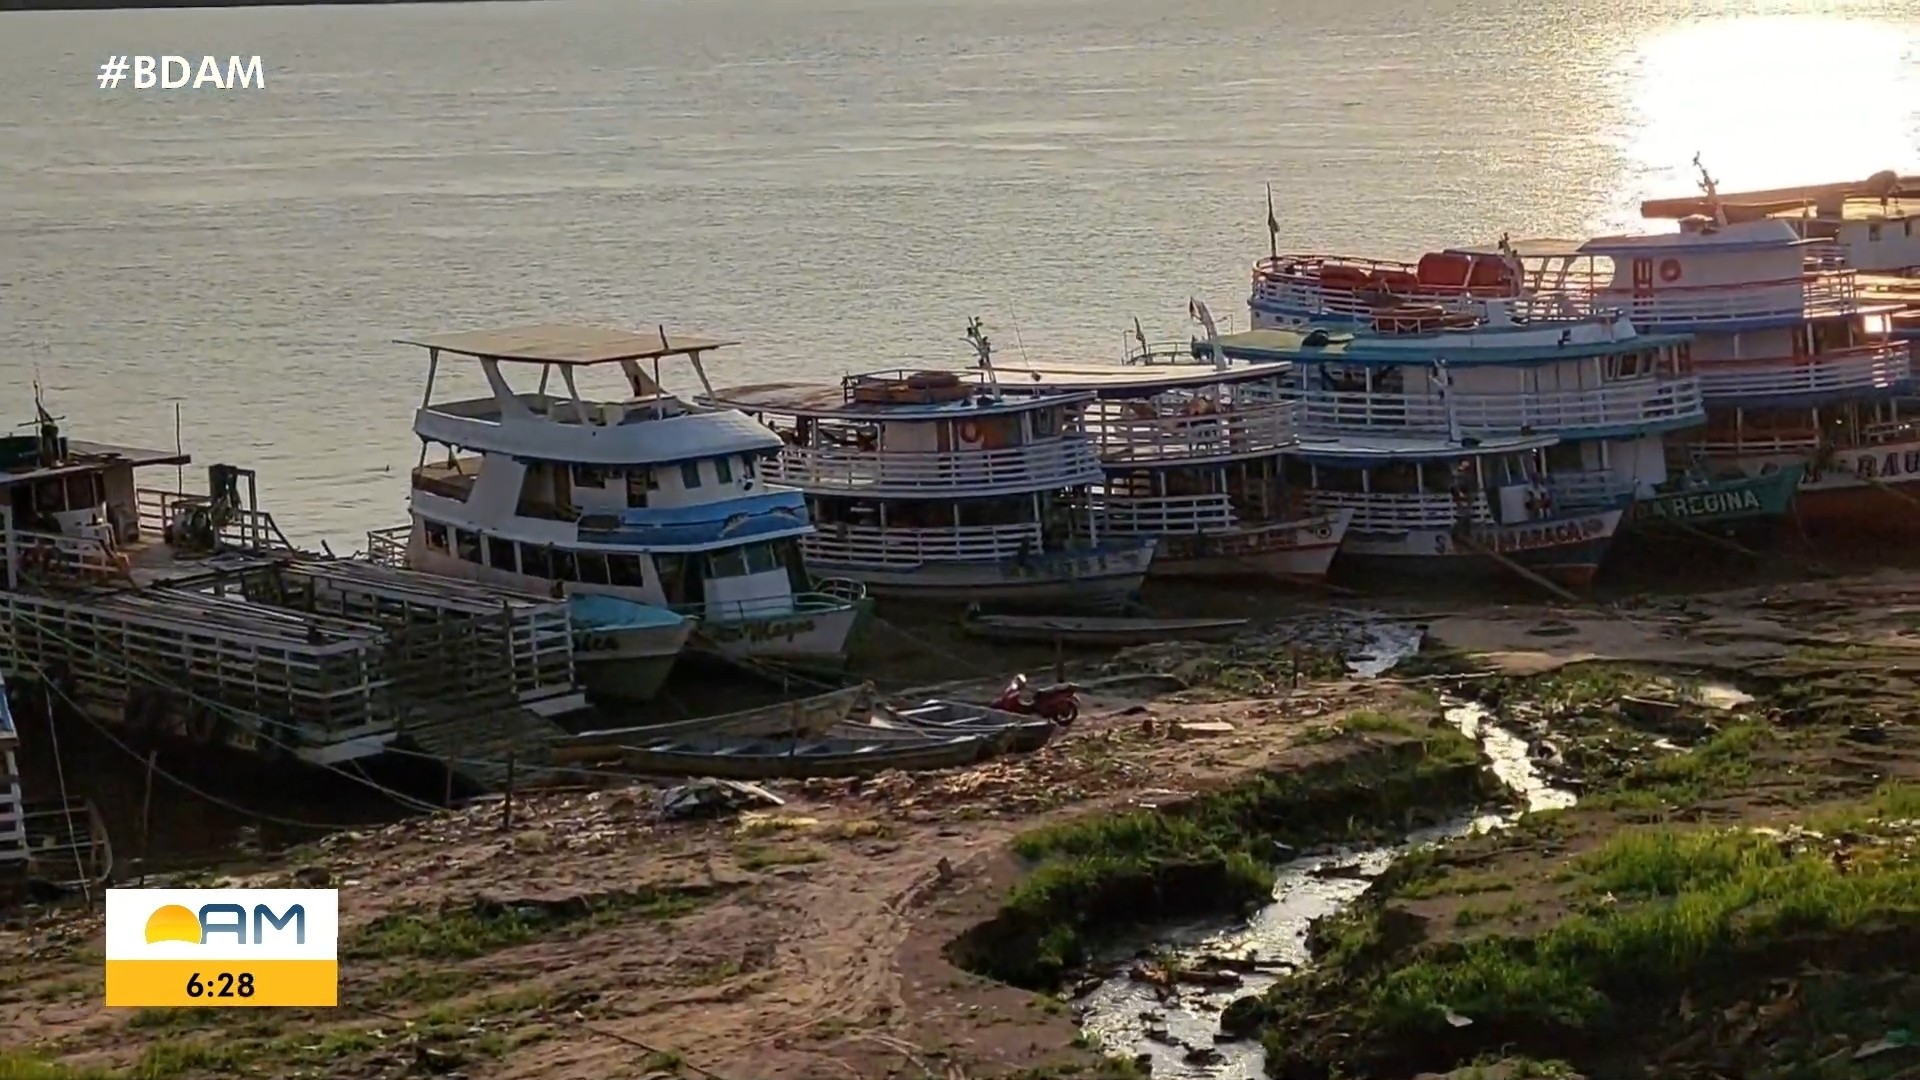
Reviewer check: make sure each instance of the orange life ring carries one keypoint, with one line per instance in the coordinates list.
(1670, 270)
(969, 431)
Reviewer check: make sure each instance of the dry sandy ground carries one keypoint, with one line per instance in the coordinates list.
(808, 943)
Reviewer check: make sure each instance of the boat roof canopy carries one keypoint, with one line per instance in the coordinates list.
(87, 457)
(573, 344)
(1543, 248)
(1364, 449)
(1332, 345)
(1137, 380)
(832, 401)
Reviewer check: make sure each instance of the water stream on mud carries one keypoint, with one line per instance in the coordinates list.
(1175, 1028)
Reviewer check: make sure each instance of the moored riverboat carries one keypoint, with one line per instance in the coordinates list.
(642, 497)
(926, 485)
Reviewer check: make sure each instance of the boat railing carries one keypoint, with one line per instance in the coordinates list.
(1380, 512)
(867, 545)
(1626, 404)
(841, 588)
(1588, 488)
(799, 605)
(58, 557)
(1123, 434)
(1161, 352)
(1806, 296)
(1165, 515)
(1804, 442)
(1065, 461)
(1870, 367)
(251, 530)
(388, 546)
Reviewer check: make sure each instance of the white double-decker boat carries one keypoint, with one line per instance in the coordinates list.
(928, 485)
(646, 498)
(1192, 456)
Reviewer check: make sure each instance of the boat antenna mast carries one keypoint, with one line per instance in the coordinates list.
(1273, 226)
(1443, 382)
(977, 337)
(1197, 311)
(1712, 188)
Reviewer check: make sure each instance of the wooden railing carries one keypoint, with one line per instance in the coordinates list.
(1619, 405)
(252, 530)
(1065, 462)
(1397, 513)
(1239, 430)
(866, 545)
(1872, 367)
(44, 556)
(1155, 516)
(388, 546)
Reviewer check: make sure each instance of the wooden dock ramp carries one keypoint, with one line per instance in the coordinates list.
(479, 746)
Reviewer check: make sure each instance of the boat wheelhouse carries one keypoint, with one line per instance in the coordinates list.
(1192, 456)
(645, 497)
(1607, 394)
(927, 485)
(1867, 219)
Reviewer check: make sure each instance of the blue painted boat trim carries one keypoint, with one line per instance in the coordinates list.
(735, 521)
(614, 613)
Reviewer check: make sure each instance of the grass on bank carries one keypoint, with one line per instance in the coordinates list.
(1217, 850)
(1673, 904)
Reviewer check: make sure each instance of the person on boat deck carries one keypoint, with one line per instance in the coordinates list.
(1462, 487)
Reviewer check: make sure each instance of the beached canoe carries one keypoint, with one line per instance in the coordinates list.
(1101, 632)
(770, 759)
(807, 716)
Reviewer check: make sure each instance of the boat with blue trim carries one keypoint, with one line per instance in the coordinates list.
(642, 497)
(1496, 427)
(926, 485)
(623, 651)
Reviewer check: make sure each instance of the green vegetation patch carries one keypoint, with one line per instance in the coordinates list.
(462, 931)
(1092, 877)
(1655, 920)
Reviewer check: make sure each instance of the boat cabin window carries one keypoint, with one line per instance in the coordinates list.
(500, 554)
(564, 566)
(640, 481)
(626, 571)
(436, 535)
(673, 577)
(743, 560)
(589, 476)
(723, 470)
(593, 567)
(466, 545)
(1629, 366)
(689, 474)
(534, 561)
(1046, 423)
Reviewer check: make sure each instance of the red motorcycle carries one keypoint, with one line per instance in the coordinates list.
(1059, 703)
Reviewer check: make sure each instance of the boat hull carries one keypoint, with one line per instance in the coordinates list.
(1741, 501)
(1567, 549)
(616, 665)
(1864, 493)
(1103, 578)
(816, 639)
(1301, 550)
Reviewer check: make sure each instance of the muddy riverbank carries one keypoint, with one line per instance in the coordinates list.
(1731, 895)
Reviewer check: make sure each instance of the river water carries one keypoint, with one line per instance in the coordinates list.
(1176, 1028)
(841, 183)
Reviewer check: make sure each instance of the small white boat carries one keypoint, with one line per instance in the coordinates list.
(623, 650)
(1105, 632)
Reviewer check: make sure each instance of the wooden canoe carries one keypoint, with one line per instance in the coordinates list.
(771, 759)
(1099, 631)
(1018, 733)
(807, 716)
